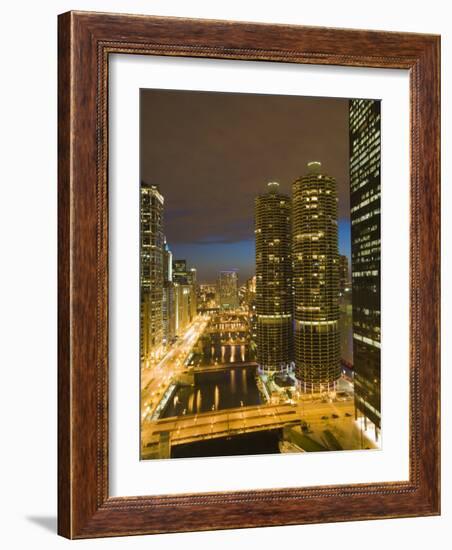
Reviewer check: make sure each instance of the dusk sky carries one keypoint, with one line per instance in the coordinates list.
(212, 153)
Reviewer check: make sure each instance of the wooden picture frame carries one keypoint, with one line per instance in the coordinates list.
(85, 42)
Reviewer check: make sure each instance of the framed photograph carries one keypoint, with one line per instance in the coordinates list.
(248, 275)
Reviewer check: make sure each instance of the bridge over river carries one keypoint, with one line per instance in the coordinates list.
(218, 367)
(159, 436)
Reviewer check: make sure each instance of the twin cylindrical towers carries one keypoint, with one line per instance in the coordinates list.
(297, 279)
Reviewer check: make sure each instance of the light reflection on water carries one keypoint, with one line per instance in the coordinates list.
(217, 398)
(216, 353)
(233, 388)
(226, 389)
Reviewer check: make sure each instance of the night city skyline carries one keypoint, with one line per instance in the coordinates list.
(259, 274)
(235, 146)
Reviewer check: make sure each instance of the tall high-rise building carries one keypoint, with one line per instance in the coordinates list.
(228, 290)
(151, 270)
(169, 297)
(182, 293)
(365, 195)
(344, 275)
(250, 292)
(187, 293)
(316, 280)
(273, 279)
(167, 262)
(194, 291)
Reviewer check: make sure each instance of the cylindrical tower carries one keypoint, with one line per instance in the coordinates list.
(273, 279)
(316, 280)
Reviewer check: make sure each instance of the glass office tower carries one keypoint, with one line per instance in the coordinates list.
(365, 193)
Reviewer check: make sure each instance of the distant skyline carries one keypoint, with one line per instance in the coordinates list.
(212, 153)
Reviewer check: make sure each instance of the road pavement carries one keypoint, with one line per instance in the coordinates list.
(156, 379)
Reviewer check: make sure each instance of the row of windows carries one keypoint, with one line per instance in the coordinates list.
(366, 216)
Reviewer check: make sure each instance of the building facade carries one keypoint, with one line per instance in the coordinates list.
(228, 290)
(365, 193)
(151, 271)
(273, 279)
(316, 280)
(186, 294)
(169, 297)
(182, 294)
(344, 274)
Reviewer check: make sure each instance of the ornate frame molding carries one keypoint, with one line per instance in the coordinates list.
(85, 42)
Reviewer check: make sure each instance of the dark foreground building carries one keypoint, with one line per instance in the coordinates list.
(365, 195)
(273, 279)
(316, 280)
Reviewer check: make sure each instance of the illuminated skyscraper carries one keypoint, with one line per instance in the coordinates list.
(169, 297)
(273, 279)
(316, 280)
(365, 195)
(344, 277)
(185, 279)
(194, 291)
(151, 270)
(228, 290)
(182, 307)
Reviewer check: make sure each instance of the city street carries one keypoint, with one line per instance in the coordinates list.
(156, 379)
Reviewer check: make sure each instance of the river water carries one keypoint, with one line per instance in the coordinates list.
(247, 444)
(232, 387)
